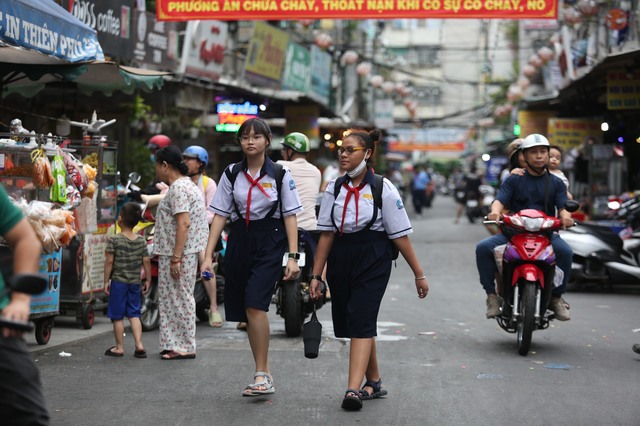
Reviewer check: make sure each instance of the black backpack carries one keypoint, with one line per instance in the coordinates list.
(232, 174)
(376, 191)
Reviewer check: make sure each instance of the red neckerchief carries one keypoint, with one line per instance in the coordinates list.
(253, 183)
(356, 192)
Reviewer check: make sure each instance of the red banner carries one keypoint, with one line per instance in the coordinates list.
(185, 10)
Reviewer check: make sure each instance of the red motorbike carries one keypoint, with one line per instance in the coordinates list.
(527, 273)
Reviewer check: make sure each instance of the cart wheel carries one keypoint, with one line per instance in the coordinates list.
(43, 330)
(88, 316)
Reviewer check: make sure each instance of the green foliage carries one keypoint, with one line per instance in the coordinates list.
(135, 157)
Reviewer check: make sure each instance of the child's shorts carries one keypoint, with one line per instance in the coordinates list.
(124, 301)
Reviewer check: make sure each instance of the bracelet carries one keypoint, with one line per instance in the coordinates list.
(176, 256)
(424, 277)
(176, 261)
(316, 277)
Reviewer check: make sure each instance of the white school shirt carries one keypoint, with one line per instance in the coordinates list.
(223, 200)
(308, 180)
(392, 218)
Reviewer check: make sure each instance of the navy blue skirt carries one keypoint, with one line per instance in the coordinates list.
(253, 266)
(358, 271)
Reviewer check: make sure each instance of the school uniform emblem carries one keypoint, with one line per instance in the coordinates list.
(399, 204)
(292, 185)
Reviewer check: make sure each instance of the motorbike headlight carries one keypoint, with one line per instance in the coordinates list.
(516, 221)
(532, 224)
(548, 223)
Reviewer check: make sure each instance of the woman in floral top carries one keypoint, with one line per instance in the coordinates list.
(181, 233)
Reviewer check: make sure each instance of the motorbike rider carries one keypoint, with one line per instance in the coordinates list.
(471, 183)
(537, 189)
(197, 158)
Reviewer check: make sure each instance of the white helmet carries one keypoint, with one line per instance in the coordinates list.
(534, 139)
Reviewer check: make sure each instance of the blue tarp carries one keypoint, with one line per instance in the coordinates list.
(46, 27)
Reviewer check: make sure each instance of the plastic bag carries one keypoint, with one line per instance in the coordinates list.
(75, 171)
(498, 254)
(42, 177)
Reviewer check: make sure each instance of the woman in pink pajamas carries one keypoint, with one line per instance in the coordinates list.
(181, 233)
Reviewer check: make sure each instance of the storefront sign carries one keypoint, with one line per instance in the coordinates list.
(184, 10)
(112, 20)
(297, 69)
(231, 116)
(47, 28)
(570, 133)
(383, 113)
(265, 56)
(321, 75)
(623, 90)
(203, 49)
(440, 142)
(155, 44)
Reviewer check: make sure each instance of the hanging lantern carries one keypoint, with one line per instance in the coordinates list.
(323, 40)
(400, 88)
(388, 87)
(523, 82)
(545, 53)
(349, 57)
(515, 93)
(376, 80)
(535, 61)
(588, 7)
(529, 70)
(616, 19)
(363, 68)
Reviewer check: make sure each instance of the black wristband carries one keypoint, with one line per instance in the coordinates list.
(295, 256)
(316, 277)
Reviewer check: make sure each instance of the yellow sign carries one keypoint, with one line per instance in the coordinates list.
(265, 56)
(533, 122)
(623, 90)
(570, 133)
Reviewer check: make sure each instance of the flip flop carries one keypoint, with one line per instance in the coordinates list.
(109, 352)
(165, 351)
(176, 355)
(140, 353)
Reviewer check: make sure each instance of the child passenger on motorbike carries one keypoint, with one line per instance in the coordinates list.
(528, 192)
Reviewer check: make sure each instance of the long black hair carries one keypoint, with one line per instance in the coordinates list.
(173, 157)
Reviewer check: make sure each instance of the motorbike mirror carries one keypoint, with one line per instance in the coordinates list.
(572, 206)
(134, 177)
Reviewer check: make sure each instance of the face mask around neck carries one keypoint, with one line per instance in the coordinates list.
(356, 172)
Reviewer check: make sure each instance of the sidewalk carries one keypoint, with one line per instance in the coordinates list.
(66, 329)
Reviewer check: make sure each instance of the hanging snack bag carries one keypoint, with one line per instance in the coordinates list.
(58, 192)
(75, 172)
(42, 177)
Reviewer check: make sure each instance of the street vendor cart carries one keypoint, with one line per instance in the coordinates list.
(73, 210)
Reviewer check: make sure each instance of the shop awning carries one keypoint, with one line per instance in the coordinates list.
(42, 32)
(96, 76)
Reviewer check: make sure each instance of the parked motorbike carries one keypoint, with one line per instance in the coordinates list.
(292, 298)
(527, 273)
(150, 310)
(602, 256)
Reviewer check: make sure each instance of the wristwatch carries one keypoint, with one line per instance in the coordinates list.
(295, 256)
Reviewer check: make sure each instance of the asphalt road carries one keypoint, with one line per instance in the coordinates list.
(442, 362)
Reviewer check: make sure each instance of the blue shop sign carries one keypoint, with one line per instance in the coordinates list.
(46, 27)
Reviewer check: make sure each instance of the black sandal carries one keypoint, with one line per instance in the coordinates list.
(352, 400)
(377, 390)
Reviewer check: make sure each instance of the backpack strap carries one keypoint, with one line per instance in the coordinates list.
(232, 174)
(376, 190)
(205, 182)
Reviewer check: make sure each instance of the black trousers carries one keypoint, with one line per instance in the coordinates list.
(21, 398)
